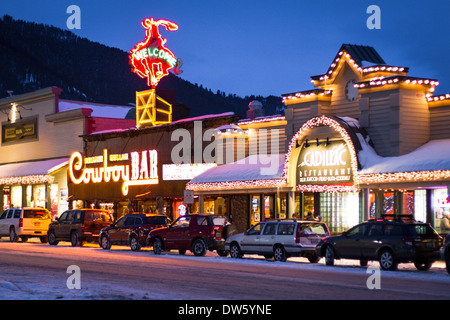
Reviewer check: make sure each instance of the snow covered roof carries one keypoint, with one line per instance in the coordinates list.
(432, 156)
(98, 110)
(32, 171)
(252, 171)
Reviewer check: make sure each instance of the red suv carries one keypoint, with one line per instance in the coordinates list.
(195, 232)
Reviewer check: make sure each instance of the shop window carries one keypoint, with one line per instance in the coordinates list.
(269, 207)
(308, 205)
(282, 206)
(39, 198)
(388, 203)
(408, 202)
(16, 196)
(255, 209)
(372, 205)
(298, 206)
(339, 210)
(441, 206)
(420, 205)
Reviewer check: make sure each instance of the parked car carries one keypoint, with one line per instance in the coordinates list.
(25, 223)
(78, 226)
(279, 239)
(390, 242)
(445, 252)
(132, 230)
(195, 232)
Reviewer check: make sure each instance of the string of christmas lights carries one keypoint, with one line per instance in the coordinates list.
(35, 179)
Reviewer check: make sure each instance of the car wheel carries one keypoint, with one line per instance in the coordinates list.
(279, 254)
(105, 243)
(314, 258)
(363, 263)
(74, 239)
(182, 252)
(52, 238)
(157, 246)
(423, 265)
(222, 253)
(134, 244)
(329, 255)
(12, 235)
(43, 239)
(387, 260)
(235, 251)
(199, 247)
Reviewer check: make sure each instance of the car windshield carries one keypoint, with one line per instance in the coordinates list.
(155, 220)
(36, 214)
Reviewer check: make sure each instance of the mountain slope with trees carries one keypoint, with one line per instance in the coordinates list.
(35, 56)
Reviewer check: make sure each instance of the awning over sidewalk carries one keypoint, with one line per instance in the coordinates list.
(31, 172)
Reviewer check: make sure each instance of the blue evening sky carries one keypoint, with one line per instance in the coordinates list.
(263, 47)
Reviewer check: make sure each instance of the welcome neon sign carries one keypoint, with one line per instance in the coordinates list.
(142, 170)
(151, 59)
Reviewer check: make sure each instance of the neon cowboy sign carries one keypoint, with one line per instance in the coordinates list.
(151, 59)
(142, 169)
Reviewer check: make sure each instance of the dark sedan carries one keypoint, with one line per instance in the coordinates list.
(132, 230)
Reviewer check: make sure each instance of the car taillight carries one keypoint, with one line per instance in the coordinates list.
(409, 241)
(20, 222)
(297, 235)
(217, 232)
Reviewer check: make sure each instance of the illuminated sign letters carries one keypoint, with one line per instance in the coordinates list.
(324, 164)
(142, 170)
(150, 59)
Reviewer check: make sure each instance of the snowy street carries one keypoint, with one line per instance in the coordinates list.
(39, 271)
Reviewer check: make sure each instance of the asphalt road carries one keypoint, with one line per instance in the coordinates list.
(39, 271)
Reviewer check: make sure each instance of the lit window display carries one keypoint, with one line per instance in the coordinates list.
(420, 205)
(441, 206)
(339, 210)
(16, 196)
(255, 216)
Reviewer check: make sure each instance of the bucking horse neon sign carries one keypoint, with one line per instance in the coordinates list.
(150, 58)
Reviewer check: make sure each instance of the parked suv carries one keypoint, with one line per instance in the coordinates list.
(25, 223)
(132, 230)
(78, 226)
(279, 239)
(195, 232)
(390, 242)
(445, 252)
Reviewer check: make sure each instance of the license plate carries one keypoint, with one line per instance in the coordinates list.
(314, 241)
(37, 224)
(430, 245)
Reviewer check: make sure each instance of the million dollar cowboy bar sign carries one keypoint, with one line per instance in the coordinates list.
(326, 163)
(131, 169)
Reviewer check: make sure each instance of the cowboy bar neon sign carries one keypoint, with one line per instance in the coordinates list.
(151, 59)
(143, 170)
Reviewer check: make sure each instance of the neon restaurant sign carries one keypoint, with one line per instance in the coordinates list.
(324, 164)
(142, 169)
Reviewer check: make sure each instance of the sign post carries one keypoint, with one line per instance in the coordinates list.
(151, 60)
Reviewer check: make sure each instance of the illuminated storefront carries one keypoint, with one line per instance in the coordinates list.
(133, 170)
(368, 141)
(39, 132)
